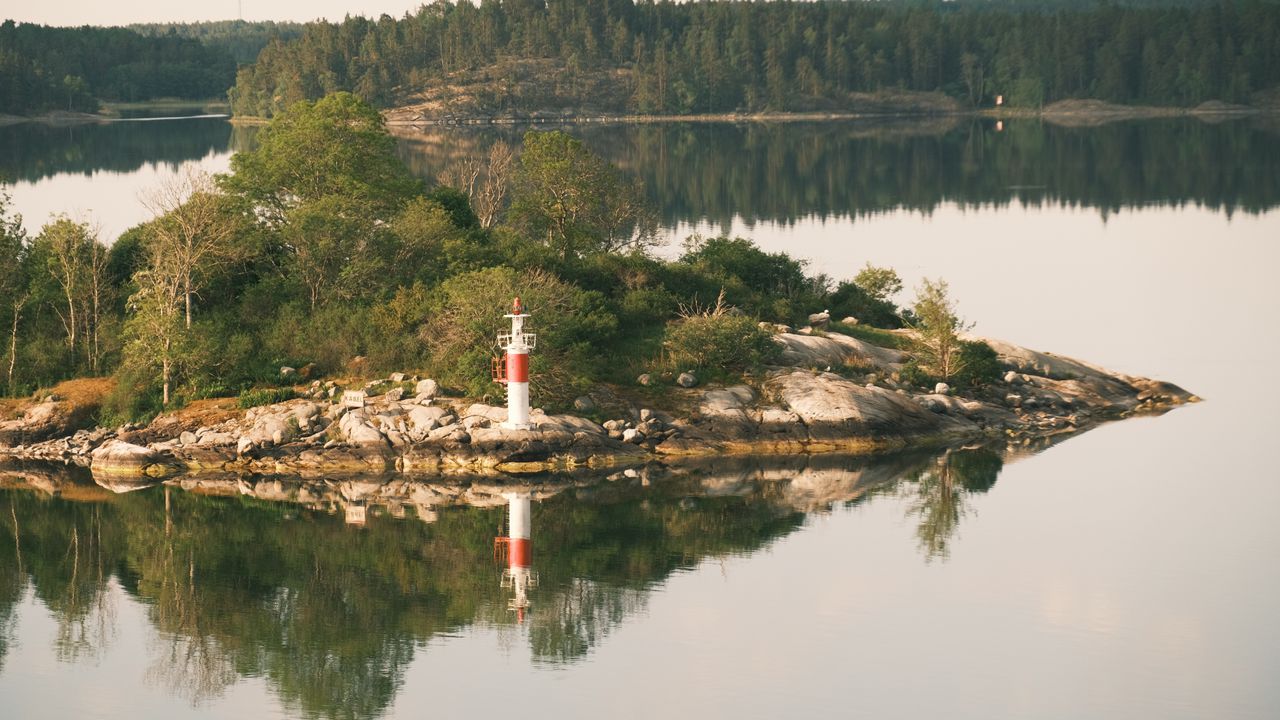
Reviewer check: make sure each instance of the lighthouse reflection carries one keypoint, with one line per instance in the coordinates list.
(519, 576)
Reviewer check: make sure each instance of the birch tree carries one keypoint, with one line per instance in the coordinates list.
(193, 229)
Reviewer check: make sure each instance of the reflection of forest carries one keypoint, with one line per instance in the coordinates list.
(789, 171)
(263, 577)
(31, 151)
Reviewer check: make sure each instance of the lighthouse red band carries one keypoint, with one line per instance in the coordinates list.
(517, 367)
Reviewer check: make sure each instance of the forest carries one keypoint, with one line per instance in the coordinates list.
(61, 68)
(715, 57)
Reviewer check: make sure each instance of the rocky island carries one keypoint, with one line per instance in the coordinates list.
(797, 407)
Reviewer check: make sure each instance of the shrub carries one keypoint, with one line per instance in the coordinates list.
(851, 299)
(913, 373)
(978, 364)
(264, 396)
(719, 340)
(573, 326)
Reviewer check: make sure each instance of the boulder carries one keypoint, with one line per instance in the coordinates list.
(633, 436)
(687, 380)
(397, 377)
(849, 320)
(820, 319)
(427, 389)
(941, 388)
(834, 408)
(287, 372)
(584, 404)
(645, 379)
(357, 428)
(394, 394)
(117, 457)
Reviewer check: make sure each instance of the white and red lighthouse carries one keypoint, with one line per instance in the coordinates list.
(514, 367)
(519, 574)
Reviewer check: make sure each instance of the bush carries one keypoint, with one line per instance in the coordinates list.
(719, 341)
(851, 299)
(913, 373)
(136, 398)
(978, 364)
(264, 396)
(573, 326)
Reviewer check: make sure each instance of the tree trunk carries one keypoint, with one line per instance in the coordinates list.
(186, 289)
(165, 373)
(13, 340)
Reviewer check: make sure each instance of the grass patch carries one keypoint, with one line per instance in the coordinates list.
(873, 335)
(264, 396)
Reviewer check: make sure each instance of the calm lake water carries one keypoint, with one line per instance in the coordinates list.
(1129, 572)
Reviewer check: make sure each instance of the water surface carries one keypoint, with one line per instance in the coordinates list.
(1128, 572)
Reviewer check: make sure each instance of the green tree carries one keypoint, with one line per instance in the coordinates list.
(937, 329)
(880, 283)
(576, 202)
(15, 290)
(335, 147)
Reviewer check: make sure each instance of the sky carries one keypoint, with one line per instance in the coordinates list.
(95, 12)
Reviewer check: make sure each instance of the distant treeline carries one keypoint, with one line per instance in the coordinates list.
(54, 68)
(729, 56)
(243, 40)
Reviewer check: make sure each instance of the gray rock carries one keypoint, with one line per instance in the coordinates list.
(1013, 400)
(188, 438)
(645, 379)
(287, 372)
(687, 380)
(394, 394)
(820, 319)
(633, 436)
(427, 388)
(941, 388)
(806, 330)
(584, 404)
(398, 377)
(1012, 377)
(614, 425)
(850, 320)
(645, 414)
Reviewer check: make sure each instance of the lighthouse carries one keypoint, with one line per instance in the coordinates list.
(519, 574)
(514, 367)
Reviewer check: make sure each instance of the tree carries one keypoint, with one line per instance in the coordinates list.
(15, 290)
(193, 231)
(336, 147)
(879, 282)
(484, 181)
(937, 329)
(334, 248)
(77, 263)
(155, 338)
(575, 201)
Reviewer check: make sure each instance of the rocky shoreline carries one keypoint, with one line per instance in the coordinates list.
(799, 408)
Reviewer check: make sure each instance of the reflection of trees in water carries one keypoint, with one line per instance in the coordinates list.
(786, 172)
(332, 616)
(939, 495)
(12, 581)
(31, 151)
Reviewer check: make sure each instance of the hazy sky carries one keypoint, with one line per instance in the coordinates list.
(95, 12)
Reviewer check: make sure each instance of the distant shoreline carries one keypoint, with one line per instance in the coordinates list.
(111, 112)
(1064, 112)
